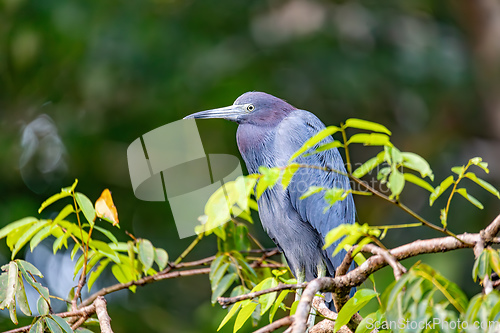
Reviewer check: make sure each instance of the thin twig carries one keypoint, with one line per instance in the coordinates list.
(79, 322)
(285, 321)
(226, 301)
(402, 206)
(396, 266)
(81, 280)
(188, 249)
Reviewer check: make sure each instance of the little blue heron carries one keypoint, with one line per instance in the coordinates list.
(270, 130)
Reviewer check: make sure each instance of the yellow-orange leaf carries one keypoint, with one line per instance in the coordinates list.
(105, 208)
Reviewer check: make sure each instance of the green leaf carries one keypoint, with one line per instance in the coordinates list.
(450, 290)
(104, 249)
(4, 277)
(335, 234)
(241, 240)
(219, 259)
(97, 272)
(484, 184)
(12, 312)
(10, 294)
(64, 213)
(366, 125)
(391, 294)
(479, 162)
(268, 179)
(331, 145)
(244, 315)
(25, 237)
(41, 235)
(318, 137)
(481, 266)
(369, 165)
(458, 169)
(473, 308)
(22, 301)
(229, 315)
(417, 163)
(223, 286)
(311, 190)
(107, 233)
(86, 206)
(161, 258)
(53, 199)
(123, 275)
(495, 260)
(418, 181)
(383, 173)
(293, 308)
(392, 155)
(42, 306)
(371, 139)
(76, 247)
(27, 274)
(60, 241)
(440, 189)
(266, 301)
(364, 241)
(52, 325)
(62, 323)
(396, 182)
(218, 275)
(277, 304)
(43, 291)
(16, 225)
(333, 195)
(37, 327)
(349, 240)
(288, 173)
(146, 254)
(367, 324)
(216, 210)
(444, 218)
(28, 267)
(472, 200)
(70, 189)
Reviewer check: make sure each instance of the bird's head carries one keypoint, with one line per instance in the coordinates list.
(254, 107)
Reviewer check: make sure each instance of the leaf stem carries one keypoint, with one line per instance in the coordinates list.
(347, 157)
(188, 249)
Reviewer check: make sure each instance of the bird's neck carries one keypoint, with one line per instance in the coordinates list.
(252, 142)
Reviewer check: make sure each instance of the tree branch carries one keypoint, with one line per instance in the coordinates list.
(166, 274)
(389, 258)
(102, 315)
(346, 263)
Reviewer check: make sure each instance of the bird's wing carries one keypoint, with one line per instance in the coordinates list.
(297, 128)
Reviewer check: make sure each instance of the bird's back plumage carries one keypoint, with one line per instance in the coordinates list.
(298, 226)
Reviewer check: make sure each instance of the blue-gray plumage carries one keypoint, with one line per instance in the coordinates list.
(270, 130)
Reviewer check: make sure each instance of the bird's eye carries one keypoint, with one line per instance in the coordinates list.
(250, 107)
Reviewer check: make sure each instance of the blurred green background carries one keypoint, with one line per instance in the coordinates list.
(79, 81)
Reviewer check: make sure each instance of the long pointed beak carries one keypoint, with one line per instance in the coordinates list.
(232, 113)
